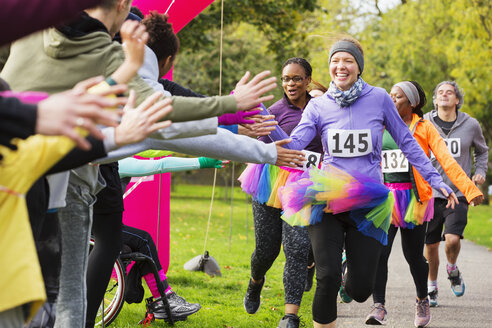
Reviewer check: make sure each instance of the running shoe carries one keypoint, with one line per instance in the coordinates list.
(252, 298)
(377, 316)
(289, 320)
(422, 313)
(457, 282)
(309, 279)
(180, 308)
(433, 293)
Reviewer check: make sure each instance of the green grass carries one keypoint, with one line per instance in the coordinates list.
(479, 227)
(220, 297)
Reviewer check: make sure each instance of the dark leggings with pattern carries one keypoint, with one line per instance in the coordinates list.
(412, 243)
(328, 238)
(270, 232)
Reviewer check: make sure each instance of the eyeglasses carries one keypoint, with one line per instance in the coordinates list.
(296, 79)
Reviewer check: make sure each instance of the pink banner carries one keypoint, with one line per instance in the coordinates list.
(147, 207)
(180, 12)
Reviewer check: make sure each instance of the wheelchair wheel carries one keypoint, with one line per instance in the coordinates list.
(114, 298)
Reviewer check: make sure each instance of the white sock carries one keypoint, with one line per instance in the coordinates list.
(431, 285)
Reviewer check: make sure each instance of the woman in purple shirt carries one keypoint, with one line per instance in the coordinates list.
(351, 204)
(270, 230)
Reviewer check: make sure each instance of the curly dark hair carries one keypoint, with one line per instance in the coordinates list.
(162, 39)
(299, 61)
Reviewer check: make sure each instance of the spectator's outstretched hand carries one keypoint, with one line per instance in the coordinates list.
(134, 37)
(287, 157)
(138, 123)
(249, 94)
(61, 113)
(206, 163)
(263, 126)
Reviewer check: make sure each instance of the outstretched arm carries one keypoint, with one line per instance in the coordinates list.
(132, 167)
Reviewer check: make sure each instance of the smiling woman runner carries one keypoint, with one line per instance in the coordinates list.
(262, 182)
(414, 204)
(351, 205)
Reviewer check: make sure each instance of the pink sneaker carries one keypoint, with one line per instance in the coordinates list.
(377, 316)
(422, 313)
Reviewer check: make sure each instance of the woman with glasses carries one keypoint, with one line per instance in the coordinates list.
(262, 181)
(346, 203)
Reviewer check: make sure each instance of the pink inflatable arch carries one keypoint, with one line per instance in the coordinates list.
(147, 206)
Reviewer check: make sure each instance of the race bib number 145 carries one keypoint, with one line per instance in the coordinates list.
(349, 143)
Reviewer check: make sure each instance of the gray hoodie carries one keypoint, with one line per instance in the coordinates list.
(465, 134)
(223, 145)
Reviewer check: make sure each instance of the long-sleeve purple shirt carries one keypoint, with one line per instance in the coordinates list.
(288, 116)
(373, 110)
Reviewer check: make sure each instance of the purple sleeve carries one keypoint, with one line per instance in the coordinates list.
(22, 17)
(275, 135)
(306, 130)
(410, 147)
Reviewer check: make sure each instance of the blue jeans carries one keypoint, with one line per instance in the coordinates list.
(75, 225)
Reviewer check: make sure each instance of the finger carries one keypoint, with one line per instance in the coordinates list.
(250, 113)
(88, 125)
(158, 116)
(145, 38)
(132, 98)
(81, 142)
(283, 142)
(259, 77)
(139, 31)
(265, 98)
(83, 86)
(149, 101)
(160, 125)
(243, 80)
(113, 90)
(266, 84)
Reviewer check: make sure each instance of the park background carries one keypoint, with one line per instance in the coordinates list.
(426, 41)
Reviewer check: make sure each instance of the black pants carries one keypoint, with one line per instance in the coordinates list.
(328, 239)
(412, 243)
(270, 233)
(106, 229)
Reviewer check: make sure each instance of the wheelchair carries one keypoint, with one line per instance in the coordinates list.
(114, 297)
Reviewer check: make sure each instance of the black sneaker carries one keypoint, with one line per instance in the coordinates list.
(252, 299)
(180, 308)
(289, 321)
(309, 279)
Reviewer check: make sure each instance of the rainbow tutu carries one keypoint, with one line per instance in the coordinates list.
(408, 212)
(332, 190)
(262, 182)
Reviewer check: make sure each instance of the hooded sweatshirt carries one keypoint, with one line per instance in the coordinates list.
(352, 136)
(54, 60)
(465, 134)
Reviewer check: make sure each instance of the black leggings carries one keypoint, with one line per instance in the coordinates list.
(106, 229)
(270, 233)
(412, 243)
(327, 239)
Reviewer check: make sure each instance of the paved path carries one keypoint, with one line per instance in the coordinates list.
(473, 310)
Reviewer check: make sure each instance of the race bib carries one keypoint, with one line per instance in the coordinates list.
(393, 161)
(454, 147)
(312, 159)
(349, 143)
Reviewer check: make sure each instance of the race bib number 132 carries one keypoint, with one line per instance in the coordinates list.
(349, 143)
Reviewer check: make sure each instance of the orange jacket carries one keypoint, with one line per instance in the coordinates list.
(429, 139)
